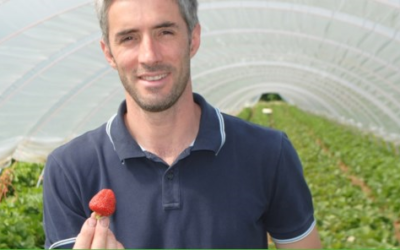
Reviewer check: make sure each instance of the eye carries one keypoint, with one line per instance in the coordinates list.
(167, 32)
(126, 39)
(129, 38)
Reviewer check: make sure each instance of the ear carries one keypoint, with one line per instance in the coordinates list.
(107, 53)
(195, 44)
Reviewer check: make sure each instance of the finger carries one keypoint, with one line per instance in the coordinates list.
(85, 237)
(100, 235)
(111, 241)
(119, 245)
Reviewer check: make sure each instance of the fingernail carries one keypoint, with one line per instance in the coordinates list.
(105, 221)
(92, 222)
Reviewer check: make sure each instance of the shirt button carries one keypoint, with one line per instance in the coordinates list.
(170, 176)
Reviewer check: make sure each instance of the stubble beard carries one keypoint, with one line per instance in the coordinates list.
(160, 103)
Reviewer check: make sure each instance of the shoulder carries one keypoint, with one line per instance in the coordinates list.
(83, 143)
(248, 131)
(80, 151)
(271, 146)
(261, 146)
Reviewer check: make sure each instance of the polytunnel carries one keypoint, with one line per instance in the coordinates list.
(337, 58)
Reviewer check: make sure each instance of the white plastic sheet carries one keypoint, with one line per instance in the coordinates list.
(336, 58)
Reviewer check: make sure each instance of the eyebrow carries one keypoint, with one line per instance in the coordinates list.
(158, 26)
(166, 25)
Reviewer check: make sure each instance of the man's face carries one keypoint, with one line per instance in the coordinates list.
(149, 46)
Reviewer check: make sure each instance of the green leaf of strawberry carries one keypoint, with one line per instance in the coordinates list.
(103, 203)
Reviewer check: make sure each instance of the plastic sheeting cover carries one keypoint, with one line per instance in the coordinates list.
(336, 58)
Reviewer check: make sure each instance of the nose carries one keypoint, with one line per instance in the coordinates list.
(149, 52)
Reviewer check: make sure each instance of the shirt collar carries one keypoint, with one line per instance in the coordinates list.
(211, 134)
(124, 144)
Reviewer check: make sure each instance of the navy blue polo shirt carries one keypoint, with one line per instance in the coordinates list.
(235, 183)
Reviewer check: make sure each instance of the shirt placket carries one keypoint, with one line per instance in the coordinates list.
(171, 189)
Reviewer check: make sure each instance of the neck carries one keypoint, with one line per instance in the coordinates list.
(165, 133)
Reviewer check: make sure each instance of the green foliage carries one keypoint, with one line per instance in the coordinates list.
(21, 211)
(346, 216)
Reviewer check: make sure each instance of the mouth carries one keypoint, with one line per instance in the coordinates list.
(153, 78)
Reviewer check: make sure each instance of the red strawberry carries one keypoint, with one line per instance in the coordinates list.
(103, 203)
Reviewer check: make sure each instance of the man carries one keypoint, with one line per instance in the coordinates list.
(184, 175)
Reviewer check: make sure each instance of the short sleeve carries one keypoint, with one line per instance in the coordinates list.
(62, 216)
(290, 214)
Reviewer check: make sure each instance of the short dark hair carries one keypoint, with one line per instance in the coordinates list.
(188, 9)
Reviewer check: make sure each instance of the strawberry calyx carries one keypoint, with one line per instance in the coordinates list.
(98, 216)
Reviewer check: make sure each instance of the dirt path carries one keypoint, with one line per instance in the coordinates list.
(345, 169)
(361, 184)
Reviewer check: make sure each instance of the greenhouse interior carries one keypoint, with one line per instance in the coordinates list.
(327, 72)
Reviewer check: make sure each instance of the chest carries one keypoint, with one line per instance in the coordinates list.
(200, 202)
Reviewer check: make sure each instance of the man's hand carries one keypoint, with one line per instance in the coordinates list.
(95, 234)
